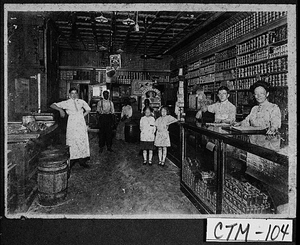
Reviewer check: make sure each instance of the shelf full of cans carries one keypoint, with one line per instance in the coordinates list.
(272, 37)
(226, 65)
(225, 75)
(249, 24)
(126, 77)
(243, 198)
(226, 54)
(174, 79)
(207, 61)
(207, 69)
(75, 75)
(262, 54)
(202, 183)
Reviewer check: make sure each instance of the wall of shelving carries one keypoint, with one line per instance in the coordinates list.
(90, 68)
(255, 48)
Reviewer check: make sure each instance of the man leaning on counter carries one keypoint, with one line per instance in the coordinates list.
(224, 110)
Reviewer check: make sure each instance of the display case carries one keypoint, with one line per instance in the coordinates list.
(228, 172)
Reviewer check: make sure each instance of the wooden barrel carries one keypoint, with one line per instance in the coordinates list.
(57, 151)
(53, 151)
(52, 180)
(132, 132)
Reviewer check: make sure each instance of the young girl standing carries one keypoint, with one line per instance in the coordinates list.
(147, 127)
(162, 139)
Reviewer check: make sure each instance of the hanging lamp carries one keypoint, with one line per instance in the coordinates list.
(101, 19)
(128, 21)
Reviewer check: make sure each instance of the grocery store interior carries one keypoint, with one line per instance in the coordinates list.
(175, 61)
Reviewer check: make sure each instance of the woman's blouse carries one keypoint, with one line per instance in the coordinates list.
(162, 123)
(126, 111)
(73, 107)
(264, 115)
(147, 127)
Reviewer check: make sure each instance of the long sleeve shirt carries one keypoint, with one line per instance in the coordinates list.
(105, 107)
(265, 115)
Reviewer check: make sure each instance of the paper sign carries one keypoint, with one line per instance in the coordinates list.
(249, 230)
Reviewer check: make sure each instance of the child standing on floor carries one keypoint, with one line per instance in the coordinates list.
(147, 127)
(162, 139)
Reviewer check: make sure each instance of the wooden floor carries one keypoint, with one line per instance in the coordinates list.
(118, 184)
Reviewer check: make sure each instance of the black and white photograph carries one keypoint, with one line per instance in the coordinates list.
(144, 111)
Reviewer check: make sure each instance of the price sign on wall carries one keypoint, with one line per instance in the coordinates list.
(249, 230)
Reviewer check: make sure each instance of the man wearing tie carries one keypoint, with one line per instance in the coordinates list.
(105, 109)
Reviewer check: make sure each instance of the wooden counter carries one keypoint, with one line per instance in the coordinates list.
(23, 151)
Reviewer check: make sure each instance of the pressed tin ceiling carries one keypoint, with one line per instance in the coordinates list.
(152, 33)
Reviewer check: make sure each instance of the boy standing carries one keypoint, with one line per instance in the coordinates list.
(224, 110)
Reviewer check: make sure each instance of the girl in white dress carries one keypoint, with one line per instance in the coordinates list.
(77, 135)
(147, 127)
(162, 139)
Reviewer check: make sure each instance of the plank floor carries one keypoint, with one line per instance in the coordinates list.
(118, 184)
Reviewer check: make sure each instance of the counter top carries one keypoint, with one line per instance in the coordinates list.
(274, 148)
(24, 137)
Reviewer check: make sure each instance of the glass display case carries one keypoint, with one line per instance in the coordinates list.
(228, 172)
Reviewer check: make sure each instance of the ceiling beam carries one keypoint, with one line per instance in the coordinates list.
(167, 28)
(113, 31)
(60, 34)
(92, 16)
(74, 30)
(181, 32)
(157, 14)
(127, 37)
(205, 23)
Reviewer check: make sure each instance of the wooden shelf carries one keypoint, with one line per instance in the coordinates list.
(278, 43)
(257, 32)
(277, 72)
(228, 58)
(101, 68)
(229, 79)
(253, 50)
(277, 57)
(228, 69)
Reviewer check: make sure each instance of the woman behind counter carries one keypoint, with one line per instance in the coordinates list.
(265, 114)
(77, 135)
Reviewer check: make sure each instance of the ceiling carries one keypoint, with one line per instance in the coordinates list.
(158, 33)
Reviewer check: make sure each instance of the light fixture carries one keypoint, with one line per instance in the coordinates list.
(120, 50)
(101, 19)
(102, 48)
(128, 21)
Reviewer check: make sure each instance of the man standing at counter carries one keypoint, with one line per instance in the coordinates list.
(106, 111)
(224, 110)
